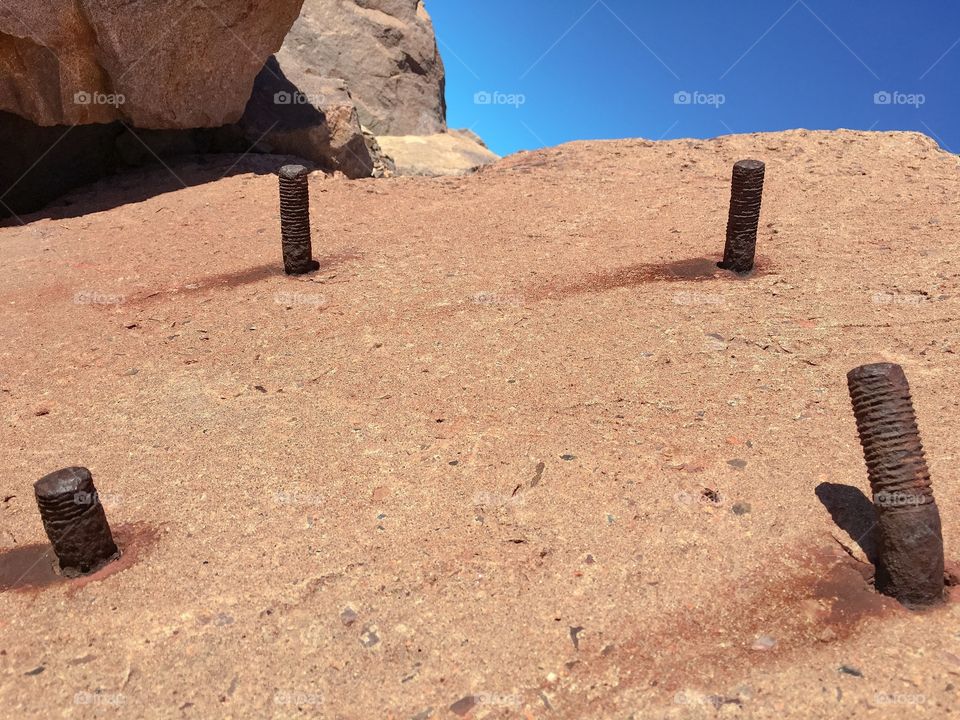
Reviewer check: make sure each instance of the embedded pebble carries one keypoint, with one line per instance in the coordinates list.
(463, 705)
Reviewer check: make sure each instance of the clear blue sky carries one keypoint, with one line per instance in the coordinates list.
(549, 71)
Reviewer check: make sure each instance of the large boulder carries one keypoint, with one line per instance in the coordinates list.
(316, 120)
(386, 51)
(150, 63)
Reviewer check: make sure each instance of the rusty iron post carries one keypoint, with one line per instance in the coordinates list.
(295, 220)
(910, 563)
(75, 521)
(746, 197)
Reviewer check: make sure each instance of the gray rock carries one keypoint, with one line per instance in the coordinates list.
(314, 119)
(385, 50)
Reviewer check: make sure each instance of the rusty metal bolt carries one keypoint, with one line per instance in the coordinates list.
(295, 220)
(910, 542)
(746, 196)
(74, 520)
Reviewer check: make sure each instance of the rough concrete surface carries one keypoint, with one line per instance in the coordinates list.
(518, 450)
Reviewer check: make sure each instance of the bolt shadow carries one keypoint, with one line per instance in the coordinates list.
(248, 276)
(700, 269)
(853, 513)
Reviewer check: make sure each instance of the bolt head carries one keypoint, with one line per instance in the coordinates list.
(293, 172)
(750, 165)
(68, 481)
(891, 371)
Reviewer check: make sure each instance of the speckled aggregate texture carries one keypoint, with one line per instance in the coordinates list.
(519, 449)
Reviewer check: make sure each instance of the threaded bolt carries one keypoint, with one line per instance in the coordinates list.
(295, 220)
(910, 542)
(74, 520)
(746, 197)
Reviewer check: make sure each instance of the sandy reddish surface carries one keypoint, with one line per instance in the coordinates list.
(509, 406)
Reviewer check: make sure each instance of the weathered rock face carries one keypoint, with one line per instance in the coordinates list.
(154, 64)
(387, 53)
(457, 152)
(316, 120)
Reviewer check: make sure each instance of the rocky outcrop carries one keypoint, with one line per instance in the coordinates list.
(92, 87)
(457, 152)
(160, 64)
(316, 120)
(42, 163)
(386, 52)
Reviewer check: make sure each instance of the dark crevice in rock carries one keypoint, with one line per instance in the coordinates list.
(409, 64)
